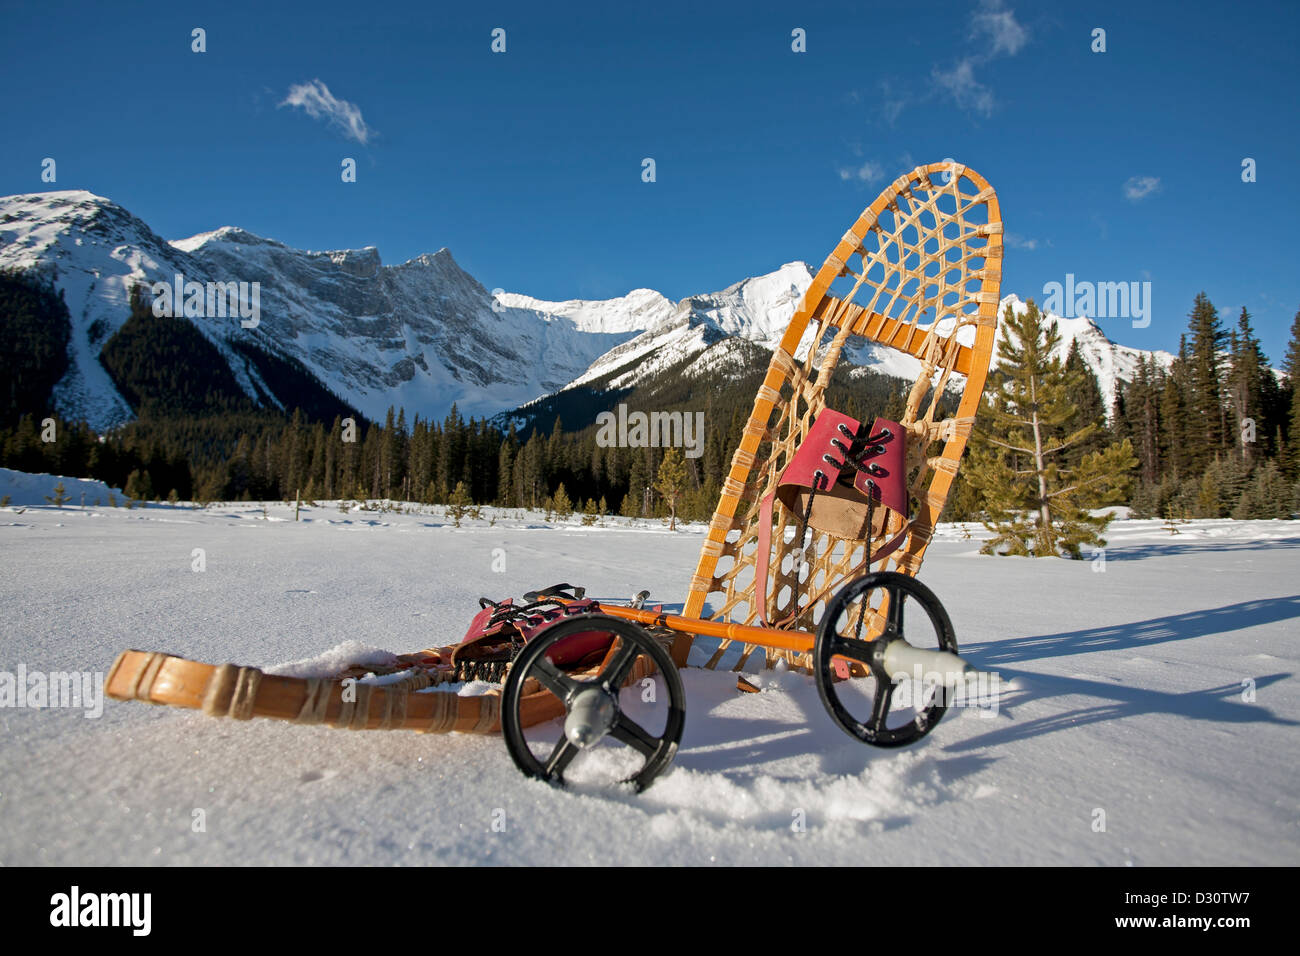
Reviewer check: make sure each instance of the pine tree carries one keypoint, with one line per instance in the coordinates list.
(459, 503)
(561, 503)
(138, 486)
(1207, 414)
(505, 472)
(1175, 416)
(1245, 385)
(1036, 501)
(1221, 487)
(1292, 368)
(631, 506)
(1270, 495)
(638, 480)
(1140, 417)
(671, 482)
(60, 497)
(1089, 403)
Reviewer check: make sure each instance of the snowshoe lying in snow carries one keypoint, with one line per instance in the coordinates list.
(812, 500)
(407, 693)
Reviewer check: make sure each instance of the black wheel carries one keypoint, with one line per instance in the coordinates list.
(865, 708)
(596, 711)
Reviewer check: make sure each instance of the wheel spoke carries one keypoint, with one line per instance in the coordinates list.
(550, 677)
(854, 649)
(896, 598)
(880, 706)
(560, 757)
(621, 663)
(634, 735)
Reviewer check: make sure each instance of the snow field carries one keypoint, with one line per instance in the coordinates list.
(1159, 691)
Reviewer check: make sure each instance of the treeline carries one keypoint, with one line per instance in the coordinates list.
(35, 355)
(258, 455)
(1217, 434)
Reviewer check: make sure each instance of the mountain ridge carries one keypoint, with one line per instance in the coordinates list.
(422, 334)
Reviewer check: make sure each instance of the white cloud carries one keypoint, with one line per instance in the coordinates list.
(319, 103)
(994, 26)
(868, 172)
(892, 102)
(1020, 242)
(961, 85)
(1139, 187)
(999, 25)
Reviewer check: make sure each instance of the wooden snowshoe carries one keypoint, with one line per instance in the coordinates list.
(920, 273)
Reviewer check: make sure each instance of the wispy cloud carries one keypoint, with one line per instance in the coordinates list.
(319, 103)
(999, 25)
(1139, 187)
(1020, 242)
(868, 172)
(892, 102)
(960, 83)
(995, 28)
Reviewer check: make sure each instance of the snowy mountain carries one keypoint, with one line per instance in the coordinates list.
(703, 330)
(1111, 363)
(423, 334)
(419, 335)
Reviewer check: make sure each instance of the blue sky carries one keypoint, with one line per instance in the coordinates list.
(1117, 166)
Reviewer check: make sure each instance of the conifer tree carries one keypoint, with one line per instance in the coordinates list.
(1207, 416)
(561, 504)
(1292, 368)
(1269, 495)
(670, 481)
(138, 486)
(1089, 402)
(631, 506)
(60, 497)
(459, 503)
(1175, 416)
(638, 480)
(1143, 418)
(1246, 371)
(505, 471)
(1036, 502)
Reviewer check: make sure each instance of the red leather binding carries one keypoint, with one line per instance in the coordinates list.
(843, 509)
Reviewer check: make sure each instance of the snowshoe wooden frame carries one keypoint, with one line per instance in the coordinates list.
(920, 270)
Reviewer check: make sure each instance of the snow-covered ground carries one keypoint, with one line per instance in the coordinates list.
(1133, 697)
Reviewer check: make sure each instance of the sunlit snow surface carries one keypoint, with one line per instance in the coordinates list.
(1129, 701)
